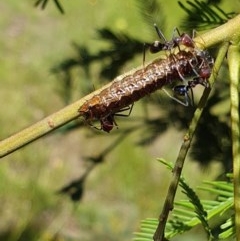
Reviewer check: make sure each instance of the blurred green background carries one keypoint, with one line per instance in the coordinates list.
(130, 185)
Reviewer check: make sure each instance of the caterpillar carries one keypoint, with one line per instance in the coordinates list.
(190, 63)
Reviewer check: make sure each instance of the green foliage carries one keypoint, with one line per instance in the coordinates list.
(194, 211)
(203, 15)
(43, 4)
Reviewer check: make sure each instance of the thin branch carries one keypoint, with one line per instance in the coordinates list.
(234, 67)
(168, 205)
(223, 33)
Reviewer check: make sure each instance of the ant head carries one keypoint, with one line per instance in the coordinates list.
(205, 72)
(186, 40)
(107, 123)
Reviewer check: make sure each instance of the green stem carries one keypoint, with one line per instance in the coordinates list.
(39, 129)
(218, 35)
(168, 205)
(223, 33)
(234, 67)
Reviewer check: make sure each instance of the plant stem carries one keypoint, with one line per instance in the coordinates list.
(177, 170)
(234, 67)
(223, 33)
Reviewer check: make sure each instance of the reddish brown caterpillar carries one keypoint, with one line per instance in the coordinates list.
(121, 94)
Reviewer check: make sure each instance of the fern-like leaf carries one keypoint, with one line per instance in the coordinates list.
(192, 212)
(43, 4)
(203, 15)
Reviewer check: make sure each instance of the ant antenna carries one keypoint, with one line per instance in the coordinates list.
(159, 33)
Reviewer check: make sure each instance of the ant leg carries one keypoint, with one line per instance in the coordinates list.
(181, 76)
(107, 124)
(144, 54)
(193, 68)
(159, 33)
(177, 30)
(168, 45)
(194, 33)
(95, 127)
(154, 47)
(130, 109)
(191, 98)
(124, 109)
(176, 40)
(186, 103)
